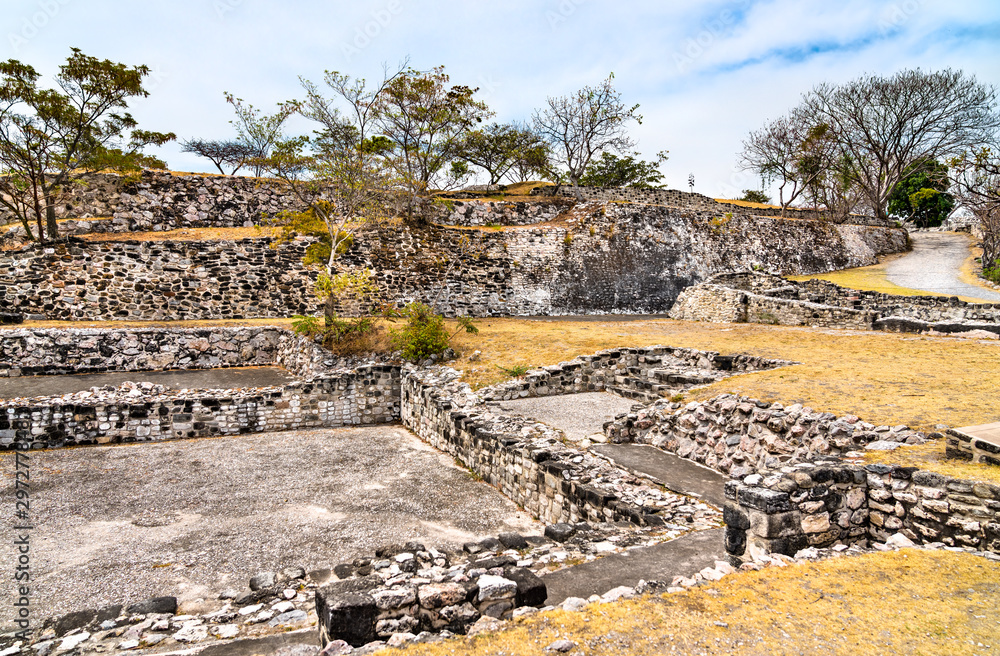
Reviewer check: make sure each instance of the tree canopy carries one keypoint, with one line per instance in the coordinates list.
(581, 126)
(613, 171)
(51, 138)
(922, 197)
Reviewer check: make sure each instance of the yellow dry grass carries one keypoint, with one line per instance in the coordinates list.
(884, 378)
(907, 602)
(931, 456)
(747, 203)
(185, 234)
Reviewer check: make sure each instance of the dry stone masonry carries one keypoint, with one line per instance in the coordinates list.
(603, 258)
(762, 298)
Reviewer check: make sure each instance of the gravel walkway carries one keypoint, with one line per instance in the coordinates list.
(577, 415)
(191, 518)
(934, 264)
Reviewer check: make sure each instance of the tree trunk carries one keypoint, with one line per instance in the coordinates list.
(329, 310)
(51, 227)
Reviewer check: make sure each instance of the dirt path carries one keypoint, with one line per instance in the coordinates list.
(934, 266)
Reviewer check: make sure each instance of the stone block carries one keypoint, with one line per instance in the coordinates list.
(774, 525)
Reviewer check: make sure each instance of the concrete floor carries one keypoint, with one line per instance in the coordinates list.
(191, 518)
(577, 415)
(29, 386)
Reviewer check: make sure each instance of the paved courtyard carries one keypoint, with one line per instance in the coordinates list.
(191, 518)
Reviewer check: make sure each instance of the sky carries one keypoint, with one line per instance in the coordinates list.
(704, 73)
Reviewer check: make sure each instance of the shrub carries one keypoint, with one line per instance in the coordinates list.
(425, 334)
(992, 273)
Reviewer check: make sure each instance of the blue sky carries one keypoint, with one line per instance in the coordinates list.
(704, 73)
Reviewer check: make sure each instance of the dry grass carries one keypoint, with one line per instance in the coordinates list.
(185, 234)
(907, 602)
(747, 203)
(931, 456)
(884, 378)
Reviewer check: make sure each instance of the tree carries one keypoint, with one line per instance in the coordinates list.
(258, 132)
(755, 196)
(884, 126)
(790, 152)
(922, 195)
(976, 178)
(341, 178)
(52, 138)
(582, 126)
(613, 171)
(428, 122)
(498, 149)
(232, 153)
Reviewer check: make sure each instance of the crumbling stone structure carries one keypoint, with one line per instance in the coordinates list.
(754, 297)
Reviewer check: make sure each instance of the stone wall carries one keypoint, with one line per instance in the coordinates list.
(498, 213)
(95, 195)
(326, 397)
(972, 449)
(693, 202)
(527, 461)
(740, 436)
(827, 501)
(647, 373)
(762, 298)
(600, 259)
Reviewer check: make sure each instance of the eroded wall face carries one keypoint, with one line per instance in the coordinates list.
(600, 258)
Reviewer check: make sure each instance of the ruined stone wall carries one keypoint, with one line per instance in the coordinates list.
(692, 202)
(762, 298)
(603, 259)
(827, 501)
(95, 195)
(740, 436)
(326, 397)
(527, 461)
(972, 449)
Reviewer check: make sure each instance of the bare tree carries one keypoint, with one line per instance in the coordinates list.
(884, 125)
(789, 152)
(584, 125)
(976, 177)
(258, 131)
(230, 153)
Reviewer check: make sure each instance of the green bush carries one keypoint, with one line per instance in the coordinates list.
(992, 274)
(424, 334)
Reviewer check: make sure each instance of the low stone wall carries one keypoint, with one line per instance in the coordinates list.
(740, 436)
(696, 203)
(647, 373)
(327, 397)
(971, 449)
(828, 501)
(719, 304)
(763, 298)
(527, 461)
(363, 609)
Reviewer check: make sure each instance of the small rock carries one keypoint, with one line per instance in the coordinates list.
(191, 634)
(898, 541)
(560, 532)
(125, 646)
(486, 624)
(283, 607)
(249, 610)
(154, 639)
(561, 646)
(293, 573)
(573, 604)
(291, 617)
(262, 580)
(337, 648)
(166, 605)
(73, 641)
(400, 639)
(225, 631)
(513, 541)
(229, 594)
